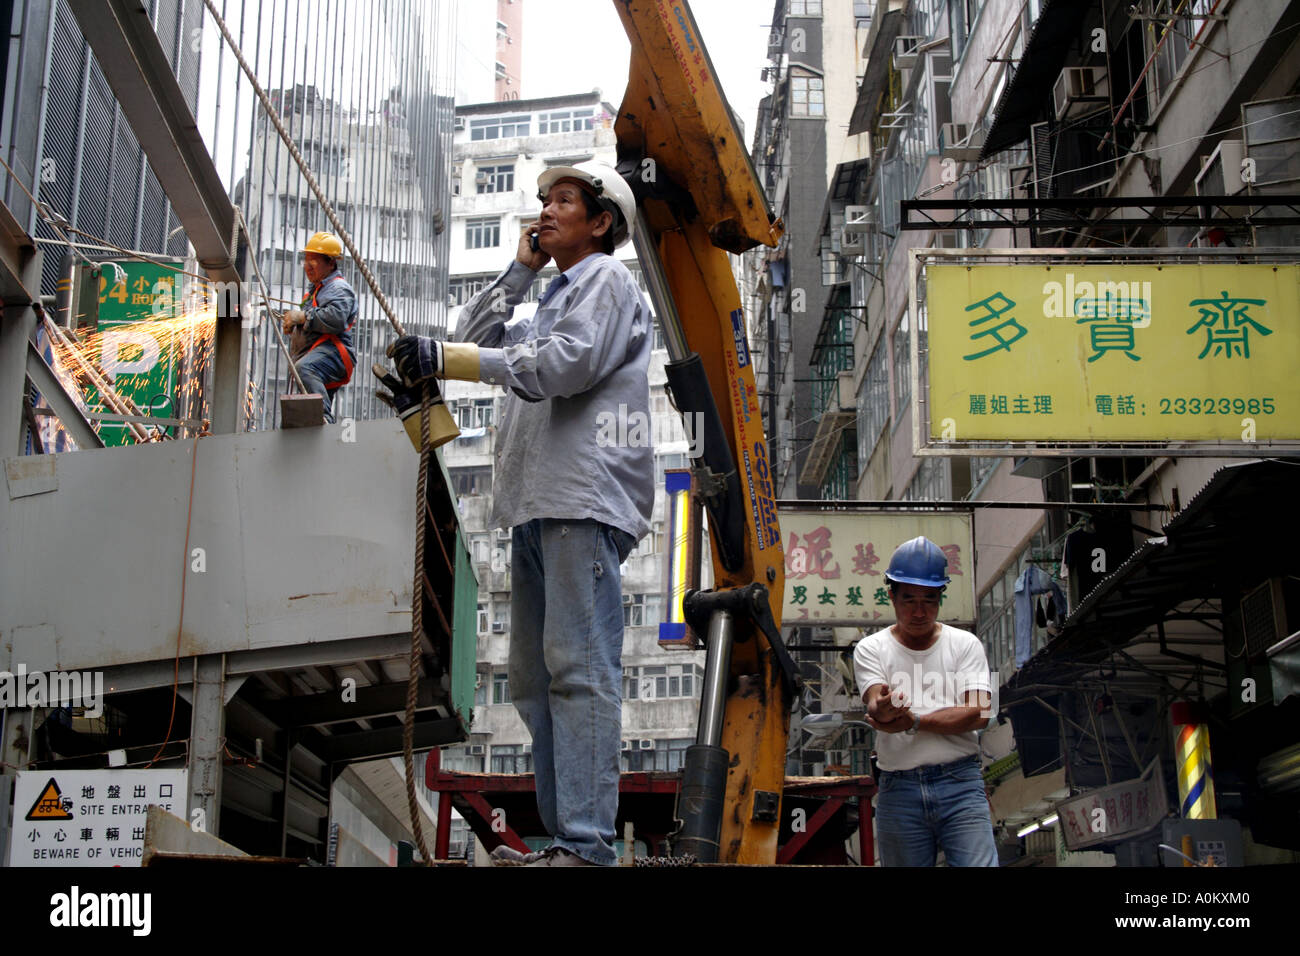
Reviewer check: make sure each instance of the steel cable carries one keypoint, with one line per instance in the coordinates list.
(417, 595)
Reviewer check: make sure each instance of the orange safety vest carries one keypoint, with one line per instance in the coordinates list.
(330, 337)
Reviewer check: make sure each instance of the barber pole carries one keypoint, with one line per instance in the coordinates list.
(1195, 772)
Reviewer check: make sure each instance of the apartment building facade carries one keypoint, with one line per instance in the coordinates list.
(1081, 104)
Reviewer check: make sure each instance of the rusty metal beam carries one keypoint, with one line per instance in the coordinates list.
(20, 264)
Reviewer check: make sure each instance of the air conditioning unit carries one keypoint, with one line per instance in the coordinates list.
(1268, 615)
(1221, 171)
(481, 179)
(645, 744)
(475, 750)
(503, 534)
(905, 51)
(627, 746)
(852, 243)
(958, 142)
(627, 599)
(460, 122)
(498, 627)
(1080, 90)
(526, 748)
(860, 218)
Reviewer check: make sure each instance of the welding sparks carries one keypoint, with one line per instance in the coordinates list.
(163, 360)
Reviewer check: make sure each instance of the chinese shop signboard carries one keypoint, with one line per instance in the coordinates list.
(1117, 812)
(1119, 352)
(835, 564)
(138, 353)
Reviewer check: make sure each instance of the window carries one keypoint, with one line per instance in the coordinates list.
(566, 121)
(483, 233)
(495, 179)
(807, 96)
(873, 403)
(394, 223)
(500, 690)
(464, 288)
(326, 160)
(633, 610)
(930, 483)
(805, 8)
(499, 127)
(474, 412)
(666, 756)
(402, 167)
(482, 619)
(511, 758)
(662, 681)
(663, 462)
(458, 759)
(475, 480)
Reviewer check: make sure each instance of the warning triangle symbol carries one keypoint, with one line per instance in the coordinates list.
(49, 805)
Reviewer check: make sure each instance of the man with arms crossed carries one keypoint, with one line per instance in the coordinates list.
(927, 690)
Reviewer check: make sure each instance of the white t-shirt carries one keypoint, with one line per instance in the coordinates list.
(933, 679)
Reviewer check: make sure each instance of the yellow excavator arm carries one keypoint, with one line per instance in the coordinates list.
(699, 198)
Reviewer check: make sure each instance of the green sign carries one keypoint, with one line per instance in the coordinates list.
(138, 346)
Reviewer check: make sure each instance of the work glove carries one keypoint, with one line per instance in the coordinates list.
(401, 398)
(417, 358)
(292, 318)
(406, 400)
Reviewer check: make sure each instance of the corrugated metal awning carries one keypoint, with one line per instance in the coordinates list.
(1023, 98)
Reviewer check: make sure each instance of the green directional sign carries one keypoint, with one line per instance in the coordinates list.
(139, 348)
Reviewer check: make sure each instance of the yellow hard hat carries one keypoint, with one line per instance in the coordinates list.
(325, 244)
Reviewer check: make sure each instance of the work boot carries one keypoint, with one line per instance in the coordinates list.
(509, 856)
(558, 856)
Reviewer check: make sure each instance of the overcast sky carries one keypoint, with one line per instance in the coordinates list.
(575, 45)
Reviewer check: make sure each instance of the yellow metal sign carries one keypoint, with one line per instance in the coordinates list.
(835, 564)
(1114, 352)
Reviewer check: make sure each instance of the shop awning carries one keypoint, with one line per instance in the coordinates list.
(1239, 530)
(1054, 34)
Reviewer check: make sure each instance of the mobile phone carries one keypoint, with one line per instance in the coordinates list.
(532, 242)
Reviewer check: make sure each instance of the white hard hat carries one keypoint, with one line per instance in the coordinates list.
(610, 189)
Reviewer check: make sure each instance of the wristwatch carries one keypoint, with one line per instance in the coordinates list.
(916, 722)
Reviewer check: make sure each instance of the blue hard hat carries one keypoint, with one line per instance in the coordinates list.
(919, 561)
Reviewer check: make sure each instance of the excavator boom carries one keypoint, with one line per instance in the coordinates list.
(700, 199)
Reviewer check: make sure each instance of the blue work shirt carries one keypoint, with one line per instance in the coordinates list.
(331, 309)
(574, 437)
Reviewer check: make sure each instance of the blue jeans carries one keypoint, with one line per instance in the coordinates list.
(928, 807)
(322, 364)
(566, 673)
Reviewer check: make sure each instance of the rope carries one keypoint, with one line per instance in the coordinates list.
(274, 117)
(417, 593)
(417, 631)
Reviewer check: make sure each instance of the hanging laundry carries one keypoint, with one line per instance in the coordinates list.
(1033, 582)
